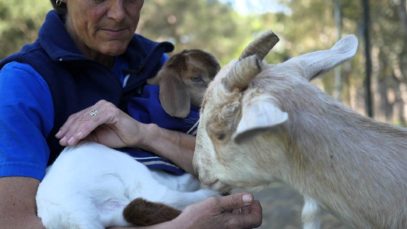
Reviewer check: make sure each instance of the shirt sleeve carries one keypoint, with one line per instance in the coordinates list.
(164, 58)
(26, 118)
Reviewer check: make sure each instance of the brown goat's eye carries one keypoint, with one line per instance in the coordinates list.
(197, 79)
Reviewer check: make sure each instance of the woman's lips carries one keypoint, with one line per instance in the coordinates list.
(116, 33)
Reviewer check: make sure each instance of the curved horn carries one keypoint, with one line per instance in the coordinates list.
(242, 73)
(260, 46)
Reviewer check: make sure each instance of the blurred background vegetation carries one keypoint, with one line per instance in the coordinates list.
(372, 84)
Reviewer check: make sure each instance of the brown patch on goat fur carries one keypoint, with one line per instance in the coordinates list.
(141, 212)
(221, 126)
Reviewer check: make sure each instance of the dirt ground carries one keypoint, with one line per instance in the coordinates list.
(282, 207)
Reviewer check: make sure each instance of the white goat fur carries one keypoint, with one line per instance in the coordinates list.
(88, 187)
(281, 126)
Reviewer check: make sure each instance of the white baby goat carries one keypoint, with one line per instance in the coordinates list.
(91, 186)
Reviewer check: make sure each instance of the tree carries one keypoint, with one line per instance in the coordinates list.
(338, 23)
(209, 25)
(368, 61)
(19, 23)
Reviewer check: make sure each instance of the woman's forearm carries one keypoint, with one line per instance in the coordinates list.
(117, 129)
(17, 203)
(175, 146)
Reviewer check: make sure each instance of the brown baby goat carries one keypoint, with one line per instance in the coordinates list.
(183, 80)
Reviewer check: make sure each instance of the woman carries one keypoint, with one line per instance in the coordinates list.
(88, 62)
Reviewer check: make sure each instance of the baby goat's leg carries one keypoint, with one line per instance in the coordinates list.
(141, 212)
(310, 214)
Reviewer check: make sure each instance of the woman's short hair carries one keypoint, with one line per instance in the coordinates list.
(61, 8)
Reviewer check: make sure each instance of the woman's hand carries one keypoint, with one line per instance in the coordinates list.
(103, 123)
(237, 210)
(108, 125)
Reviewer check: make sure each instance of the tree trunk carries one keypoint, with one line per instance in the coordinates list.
(368, 60)
(338, 70)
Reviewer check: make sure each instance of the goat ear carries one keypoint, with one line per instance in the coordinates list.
(259, 115)
(173, 95)
(314, 63)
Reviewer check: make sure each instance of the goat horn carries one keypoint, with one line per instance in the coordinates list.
(261, 46)
(242, 73)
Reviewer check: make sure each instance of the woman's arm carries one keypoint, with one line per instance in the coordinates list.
(238, 211)
(175, 146)
(108, 125)
(17, 203)
(26, 117)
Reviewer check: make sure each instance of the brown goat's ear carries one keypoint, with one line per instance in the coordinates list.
(258, 115)
(173, 95)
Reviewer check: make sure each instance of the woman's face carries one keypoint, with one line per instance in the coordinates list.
(102, 28)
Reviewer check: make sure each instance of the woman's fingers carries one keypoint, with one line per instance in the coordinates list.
(236, 201)
(81, 124)
(248, 217)
(245, 212)
(239, 210)
(77, 127)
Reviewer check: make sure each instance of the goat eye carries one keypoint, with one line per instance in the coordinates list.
(217, 133)
(197, 79)
(220, 136)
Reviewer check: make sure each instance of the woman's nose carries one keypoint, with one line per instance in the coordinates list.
(117, 9)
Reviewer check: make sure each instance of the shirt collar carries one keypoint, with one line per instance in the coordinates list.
(56, 41)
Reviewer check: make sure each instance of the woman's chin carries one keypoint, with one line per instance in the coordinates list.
(113, 48)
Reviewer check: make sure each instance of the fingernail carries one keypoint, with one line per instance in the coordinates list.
(247, 199)
(71, 141)
(57, 134)
(62, 141)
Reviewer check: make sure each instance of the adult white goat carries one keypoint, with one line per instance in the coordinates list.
(92, 186)
(260, 122)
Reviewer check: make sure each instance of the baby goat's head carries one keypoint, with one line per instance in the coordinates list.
(183, 80)
(239, 135)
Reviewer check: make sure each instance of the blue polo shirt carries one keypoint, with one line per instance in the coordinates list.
(26, 116)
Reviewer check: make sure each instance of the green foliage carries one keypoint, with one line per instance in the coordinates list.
(203, 24)
(215, 26)
(19, 22)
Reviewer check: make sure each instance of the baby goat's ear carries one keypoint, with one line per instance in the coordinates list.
(173, 95)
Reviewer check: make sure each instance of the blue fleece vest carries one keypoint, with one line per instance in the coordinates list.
(76, 82)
